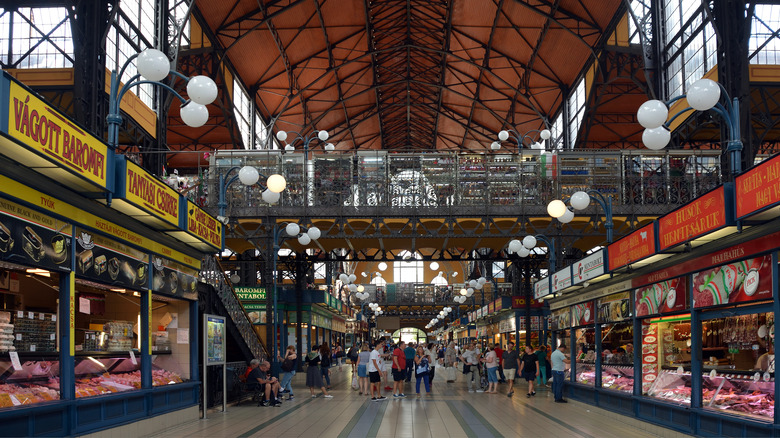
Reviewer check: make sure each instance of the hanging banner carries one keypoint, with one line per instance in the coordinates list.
(588, 268)
(758, 188)
(703, 215)
(636, 246)
(614, 308)
(107, 261)
(561, 319)
(548, 165)
(663, 297)
(30, 238)
(748, 280)
(583, 314)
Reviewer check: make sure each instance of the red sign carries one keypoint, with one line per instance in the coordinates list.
(759, 187)
(634, 247)
(491, 308)
(650, 355)
(519, 302)
(701, 216)
(748, 280)
(664, 297)
(583, 313)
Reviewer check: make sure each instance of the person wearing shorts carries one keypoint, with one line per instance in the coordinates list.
(509, 362)
(529, 369)
(362, 368)
(399, 370)
(375, 372)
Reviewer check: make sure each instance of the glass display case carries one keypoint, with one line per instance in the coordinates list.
(618, 377)
(585, 360)
(586, 374)
(32, 381)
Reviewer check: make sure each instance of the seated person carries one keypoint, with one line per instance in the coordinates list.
(258, 378)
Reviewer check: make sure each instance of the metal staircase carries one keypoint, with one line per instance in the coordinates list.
(211, 273)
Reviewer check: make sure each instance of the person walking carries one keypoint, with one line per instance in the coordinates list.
(325, 362)
(491, 367)
(362, 368)
(431, 353)
(352, 355)
(338, 353)
(529, 369)
(375, 371)
(291, 366)
(541, 355)
(450, 359)
(510, 363)
(409, 353)
(500, 356)
(470, 360)
(422, 369)
(313, 373)
(559, 361)
(399, 370)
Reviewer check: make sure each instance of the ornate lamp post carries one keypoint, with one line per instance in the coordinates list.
(580, 201)
(519, 139)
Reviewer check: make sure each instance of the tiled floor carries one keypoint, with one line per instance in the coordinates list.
(450, 411)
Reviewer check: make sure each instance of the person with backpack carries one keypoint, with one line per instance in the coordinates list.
(422, 368)
(289, 365)
(352, 355)
(326, 362)
(338, 353)
(313, 374)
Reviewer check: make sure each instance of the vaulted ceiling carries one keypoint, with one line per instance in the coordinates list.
(413, 74)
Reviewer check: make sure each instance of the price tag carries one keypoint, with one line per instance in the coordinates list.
(54, 318)
(15, 360)
(756, 377)
(767, 377)
(18, 336)
(713, 373)
(32, 347)
(20, 314)
(132, 358)
(42, 317)
(31, 315)
(680, 370)
(51, 336)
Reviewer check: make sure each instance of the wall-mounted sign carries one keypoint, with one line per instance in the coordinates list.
(636, 246)
(145, 197)
(53, 145)
(583, 313)
(109, 262)
(757, 189)
(561, 319)
(542, 288)
(30, 238)
(202, 227)
(662, 297)
(519, 302)
(614, 308)
(173, 278)
(747, 280)
(250, 293)
(561, 279)
(703, 215)
(588, 268)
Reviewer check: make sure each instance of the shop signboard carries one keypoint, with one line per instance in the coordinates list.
(561, 279)
(561, 319)
(518, 302)
(583, 314)
(759, 188)
(292, 316)
(614, 308)
(701, 216)
(588, 268)
(51, 144)
(109, 262)
(636, 246)
(173, 278)
(145, 197)
(250, 293)
(746, 280)
(491, 308)
(33, 239)
(203, 226)
(662, 297)
(542, 288)
(215, 339)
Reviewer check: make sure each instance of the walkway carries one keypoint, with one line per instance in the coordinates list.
(450, 411)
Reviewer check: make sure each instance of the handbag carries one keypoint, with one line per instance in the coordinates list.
(355, 384)
(287, 365)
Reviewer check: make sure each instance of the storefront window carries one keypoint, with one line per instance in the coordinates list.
(666, 359)
(171, 340)
(585, 360)
(617, 369)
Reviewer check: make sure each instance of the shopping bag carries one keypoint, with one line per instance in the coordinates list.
(355, 384)
(452, 374)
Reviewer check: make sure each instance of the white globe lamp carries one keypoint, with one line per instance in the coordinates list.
(270, 197)
(567, 217)
(292, 229)
(248, 175)
(580, 200)
(322, 135)
(314, 233)
(153, 65)
(652, 114)
(545, 134)
(281, 136)
(202, 89)
(503, 135)
(194, 114)
(703, 94)
(657, 138)
(556, 208)
(304, 239)
(276, 183)
(529, 242)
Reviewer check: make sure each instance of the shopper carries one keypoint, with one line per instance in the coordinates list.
(559, 361)
(541, 355)
(352, 355)
(511, 363)
(362, 368)
(450, 362)
(470, 360)
(491, 367)
(313, 373)
(375, 371)
(326, 362)
(399, 370)
(500, 356)
(430, 351)
(258, 378)
(292, 365)
(529, 369)
(422, 370)
(409, 353)
(338, 353)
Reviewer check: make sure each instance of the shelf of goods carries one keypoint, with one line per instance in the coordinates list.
(586, 373)
(738, 394)
(618, 377)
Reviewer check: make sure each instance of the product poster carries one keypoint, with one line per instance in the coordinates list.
(748, 280)
(561, 319)
(173, 278)
(663, 297)
(649, 356)
(615, 307)
(109, 262)
(583, 314)
(34, 239)
(215, 340)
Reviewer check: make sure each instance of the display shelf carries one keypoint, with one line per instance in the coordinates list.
(617, 377)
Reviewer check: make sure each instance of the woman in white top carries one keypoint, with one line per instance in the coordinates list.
(491, 363)
(431, 353)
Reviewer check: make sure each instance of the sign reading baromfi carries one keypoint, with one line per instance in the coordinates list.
(204, 225)
(146, 191)
(41, 127)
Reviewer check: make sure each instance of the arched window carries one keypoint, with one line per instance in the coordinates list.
(409, 271)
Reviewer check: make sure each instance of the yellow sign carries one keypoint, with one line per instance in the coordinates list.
(82, 217)
(204, 225)
(149, 193)
(45, 130)
(72, 288)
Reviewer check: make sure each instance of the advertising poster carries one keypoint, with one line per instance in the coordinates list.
(747, 280)
(649, 356)
(582, 314)
(662, 297)
(561, 319)
(215, 340)
(614, 308)
(30, 238)
(109, 262)
(173, 278)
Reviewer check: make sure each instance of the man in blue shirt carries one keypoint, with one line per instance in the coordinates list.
(558, 360)
(409, 353)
